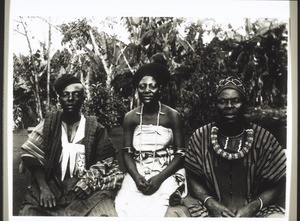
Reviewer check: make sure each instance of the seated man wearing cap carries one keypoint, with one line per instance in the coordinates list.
(234, 168)
(71, 158)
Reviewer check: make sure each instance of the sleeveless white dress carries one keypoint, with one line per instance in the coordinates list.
(153, 154)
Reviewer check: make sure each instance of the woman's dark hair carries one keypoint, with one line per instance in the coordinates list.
(158, 71)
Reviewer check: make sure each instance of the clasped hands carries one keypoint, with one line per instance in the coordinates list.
(148, 187)
(217, 209)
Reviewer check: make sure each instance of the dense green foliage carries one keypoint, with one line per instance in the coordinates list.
(108, 109)
(106, 65)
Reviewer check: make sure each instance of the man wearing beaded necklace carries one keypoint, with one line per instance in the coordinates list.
(234, 168)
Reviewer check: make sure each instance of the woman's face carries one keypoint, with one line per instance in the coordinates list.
(148, 90)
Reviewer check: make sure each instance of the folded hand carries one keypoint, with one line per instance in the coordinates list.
(153, 185)
(141, 183)
(217, 209)
(249, 209)
(47, 198)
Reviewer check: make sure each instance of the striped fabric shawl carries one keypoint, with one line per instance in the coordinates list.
(52, 139)
(265, 162)
(44, 144)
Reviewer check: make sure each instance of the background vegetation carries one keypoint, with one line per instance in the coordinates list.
(198, 53)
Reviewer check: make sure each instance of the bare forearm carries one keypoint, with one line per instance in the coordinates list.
(173, 167)
(264, 199)
(40, 177)
(196, 188)
(46, 198)
(130, 165)
(270, 196)
(214, 207)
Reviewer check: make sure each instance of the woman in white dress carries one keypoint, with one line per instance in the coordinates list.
(153, 150)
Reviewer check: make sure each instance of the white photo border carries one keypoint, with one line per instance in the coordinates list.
(182, 8)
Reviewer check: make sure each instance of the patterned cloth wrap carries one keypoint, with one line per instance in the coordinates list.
(103, 175)
(165, 156)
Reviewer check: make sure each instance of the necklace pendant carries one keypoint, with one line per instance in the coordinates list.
(226, 143)
(240, 146)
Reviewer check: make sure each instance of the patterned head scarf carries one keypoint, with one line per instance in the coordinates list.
(63, 81)
(231, 83)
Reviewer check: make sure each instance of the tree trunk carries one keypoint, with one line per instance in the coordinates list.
(36, 78)
(107, 69)
(48, 69)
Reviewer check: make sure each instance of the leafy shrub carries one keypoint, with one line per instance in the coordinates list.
(108, 109)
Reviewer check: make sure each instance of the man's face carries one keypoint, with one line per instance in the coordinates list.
(72, 98)
(230, 106)
(148, 89)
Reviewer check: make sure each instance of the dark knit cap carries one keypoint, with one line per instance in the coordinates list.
(231, 83)
(63, 81)
(158, 71)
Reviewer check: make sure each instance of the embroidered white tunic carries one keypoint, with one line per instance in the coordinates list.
(73, 154)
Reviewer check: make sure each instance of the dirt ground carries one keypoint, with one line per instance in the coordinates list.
(21, 181)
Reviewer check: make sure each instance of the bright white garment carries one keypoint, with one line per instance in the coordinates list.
(73, 154)
(150, 138)
(130, 202)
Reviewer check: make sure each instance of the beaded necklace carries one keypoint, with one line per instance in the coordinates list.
(233, 137)
(242, 151)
